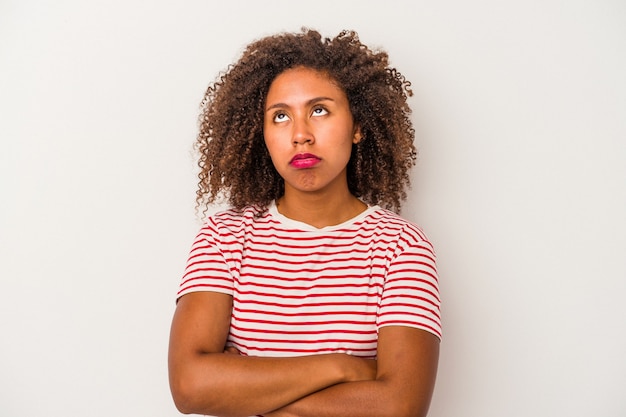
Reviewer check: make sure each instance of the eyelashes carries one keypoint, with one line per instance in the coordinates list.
(282, 117)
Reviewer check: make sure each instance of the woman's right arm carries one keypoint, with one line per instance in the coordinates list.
(205, 380)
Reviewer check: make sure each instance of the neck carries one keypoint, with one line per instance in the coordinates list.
(319, 210)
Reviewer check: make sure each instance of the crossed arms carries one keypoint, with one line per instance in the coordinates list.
(206, 380)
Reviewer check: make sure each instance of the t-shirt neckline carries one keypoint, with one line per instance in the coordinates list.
(286, 221)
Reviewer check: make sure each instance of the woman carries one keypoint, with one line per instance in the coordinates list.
(307, 297)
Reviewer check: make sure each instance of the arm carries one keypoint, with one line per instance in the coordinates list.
(205, 380)
(407, 367)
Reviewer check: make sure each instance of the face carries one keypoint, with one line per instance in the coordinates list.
(309, 131)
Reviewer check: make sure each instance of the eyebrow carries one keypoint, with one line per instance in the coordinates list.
(308, 103)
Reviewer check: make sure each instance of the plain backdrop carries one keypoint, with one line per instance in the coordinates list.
(520, 113)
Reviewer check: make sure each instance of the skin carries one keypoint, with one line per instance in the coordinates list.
(306, 112)
(206, 380)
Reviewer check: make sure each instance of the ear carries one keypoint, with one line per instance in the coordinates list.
(357, 135)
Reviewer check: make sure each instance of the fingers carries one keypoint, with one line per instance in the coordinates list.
(231, 350)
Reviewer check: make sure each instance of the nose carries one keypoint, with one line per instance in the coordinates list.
(302, 133)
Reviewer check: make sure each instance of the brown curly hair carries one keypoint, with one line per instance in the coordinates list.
(234, 162)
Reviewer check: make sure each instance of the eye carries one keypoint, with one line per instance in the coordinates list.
(280, 117)
(319, 111)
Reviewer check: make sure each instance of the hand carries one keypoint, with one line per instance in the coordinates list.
(357, 369)
(231, 351)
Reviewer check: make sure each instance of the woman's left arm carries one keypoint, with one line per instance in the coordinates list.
(407, 368)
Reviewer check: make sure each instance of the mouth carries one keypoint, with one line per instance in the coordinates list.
(304, 160)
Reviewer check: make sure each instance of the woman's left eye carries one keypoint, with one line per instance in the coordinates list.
(319, 111)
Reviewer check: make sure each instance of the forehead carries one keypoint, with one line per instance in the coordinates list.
(303, 81)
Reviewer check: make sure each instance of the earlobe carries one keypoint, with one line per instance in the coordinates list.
(357, 136)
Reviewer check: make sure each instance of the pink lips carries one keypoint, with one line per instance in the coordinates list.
(304, 160)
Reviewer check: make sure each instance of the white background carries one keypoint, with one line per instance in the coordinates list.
(520, 110)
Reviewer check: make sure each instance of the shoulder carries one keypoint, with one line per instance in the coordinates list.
(233, 221)
(392, 222)
(233, 216)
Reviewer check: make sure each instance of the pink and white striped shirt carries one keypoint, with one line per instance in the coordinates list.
(299, 290)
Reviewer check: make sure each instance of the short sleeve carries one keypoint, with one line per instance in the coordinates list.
(411, 290)
(207, 268)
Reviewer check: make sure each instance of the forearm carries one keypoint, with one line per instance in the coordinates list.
(406, 373)
(378, 398)
(233, 385)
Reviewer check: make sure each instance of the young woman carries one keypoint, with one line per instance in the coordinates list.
(309, 297)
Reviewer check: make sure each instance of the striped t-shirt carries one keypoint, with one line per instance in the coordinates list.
(299, 290)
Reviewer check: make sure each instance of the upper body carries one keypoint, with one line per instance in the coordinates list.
(329, 302)
(300, 290)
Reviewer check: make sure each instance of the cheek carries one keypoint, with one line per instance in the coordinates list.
(348, 143)
(275, 149)
(270, 139)
(274, 135)
(271, 146)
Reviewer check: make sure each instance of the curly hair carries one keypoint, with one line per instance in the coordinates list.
(234, 162)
